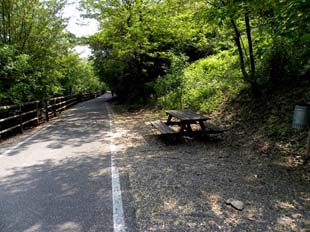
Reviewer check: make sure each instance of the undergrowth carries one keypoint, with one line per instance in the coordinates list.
(201, 85)
(266, 122)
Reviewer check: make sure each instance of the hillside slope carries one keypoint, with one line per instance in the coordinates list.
(266, 123)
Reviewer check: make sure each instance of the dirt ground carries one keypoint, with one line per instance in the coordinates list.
(185, 186)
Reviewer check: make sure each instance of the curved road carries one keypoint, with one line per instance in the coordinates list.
(60, 179)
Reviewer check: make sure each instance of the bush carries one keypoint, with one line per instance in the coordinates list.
(203, 85)
(170, 88)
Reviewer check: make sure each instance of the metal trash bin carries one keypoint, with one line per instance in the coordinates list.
(301, 118)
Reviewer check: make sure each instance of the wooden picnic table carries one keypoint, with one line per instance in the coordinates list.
(185, 119)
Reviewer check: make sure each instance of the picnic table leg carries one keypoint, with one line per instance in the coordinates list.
(182, 130)
(188, 127)
(202, 125)
(169, 120)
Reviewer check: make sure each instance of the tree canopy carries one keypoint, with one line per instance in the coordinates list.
(154, 50)
(36, 53)
(260, 44)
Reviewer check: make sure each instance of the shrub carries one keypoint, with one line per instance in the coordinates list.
(203, 85)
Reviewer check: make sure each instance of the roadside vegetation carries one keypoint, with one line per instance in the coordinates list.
(196, 54)
(245, 63)
(245, 58)
(201, 55)
(37, 60)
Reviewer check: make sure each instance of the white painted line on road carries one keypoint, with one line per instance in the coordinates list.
(118, 212)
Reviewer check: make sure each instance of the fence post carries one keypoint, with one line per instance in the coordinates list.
(54, 107)
(38, 113)
(21, 119)
(46, 110)
(307, 158)
(0, 129)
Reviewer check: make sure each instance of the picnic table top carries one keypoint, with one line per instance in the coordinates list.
(187, 115)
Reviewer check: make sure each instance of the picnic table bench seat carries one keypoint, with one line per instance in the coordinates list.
(163, 128)
(213, 129)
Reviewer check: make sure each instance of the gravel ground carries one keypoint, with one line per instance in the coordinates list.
(184, 187)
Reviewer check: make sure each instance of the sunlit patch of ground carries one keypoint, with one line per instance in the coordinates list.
(183, 187)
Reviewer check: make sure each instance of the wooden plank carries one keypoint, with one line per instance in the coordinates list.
(19, 125)
(8, 107)
(9, 118)
(60, 103)
(163, 128)
(15, 106)
(72, 103)
(213, 129)
(9, 129)
(31, 120)
(61, 108)
(16, 116)
(57, 98)
(30, 103)
(187, 115)
(65, 103)
(29, 112)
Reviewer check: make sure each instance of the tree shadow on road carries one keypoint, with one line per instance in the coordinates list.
(68, 195)
(60, 179)
(81, 125)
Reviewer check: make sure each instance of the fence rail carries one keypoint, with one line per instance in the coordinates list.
(16, 117)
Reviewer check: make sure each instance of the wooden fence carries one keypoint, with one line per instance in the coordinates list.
(17, 117)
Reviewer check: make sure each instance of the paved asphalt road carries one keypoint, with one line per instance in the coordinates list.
(60, 180)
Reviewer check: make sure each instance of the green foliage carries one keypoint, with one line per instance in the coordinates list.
(170, 88)
(205, 83)
(78, 76)
(132, 48)
(209, 81)
(36, 61)
(282, 40)
(187, 55)
(14, 85)
(230, 45)
(270, 37)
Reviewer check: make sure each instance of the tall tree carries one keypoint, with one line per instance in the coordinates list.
(35, 51)
(136, 37)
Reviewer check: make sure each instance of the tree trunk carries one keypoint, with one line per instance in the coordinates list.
(3, 23)
(238, 43)
(253, 79)
(9, 24)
